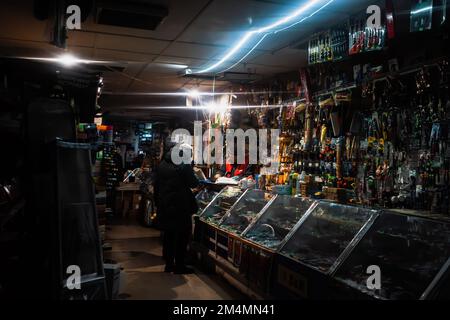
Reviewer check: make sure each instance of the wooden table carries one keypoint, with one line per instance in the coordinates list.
(128, 193)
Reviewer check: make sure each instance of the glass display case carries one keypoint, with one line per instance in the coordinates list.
(245, 211)
(218, 207)
(204, 197)
(325, 233)
(277, 221)
(410, 252)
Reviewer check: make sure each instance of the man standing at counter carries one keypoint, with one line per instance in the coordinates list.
(175, 204)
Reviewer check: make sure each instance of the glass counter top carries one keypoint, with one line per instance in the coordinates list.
(245, 210)
(325, 234)
(277, 221)
(409, 251)
(204, 197)
(218, 207)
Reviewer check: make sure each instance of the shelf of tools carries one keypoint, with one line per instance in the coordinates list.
(391, 153)
(371, 133)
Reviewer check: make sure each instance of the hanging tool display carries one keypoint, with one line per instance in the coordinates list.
(404, 157)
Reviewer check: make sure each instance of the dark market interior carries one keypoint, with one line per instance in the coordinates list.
(225, 150)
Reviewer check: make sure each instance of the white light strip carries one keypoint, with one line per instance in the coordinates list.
(71, 60)
(185, 94)
(307, 17)
(229, 54)
(291, 17)
(257, 44)
(204, 107)
(422, 10)
(248, 53)
(266, 30)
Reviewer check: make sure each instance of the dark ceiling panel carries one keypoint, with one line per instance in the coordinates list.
(145, 16)
(179, 16)
(193, 50)
(225, 21)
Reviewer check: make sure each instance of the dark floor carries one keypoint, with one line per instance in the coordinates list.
(138, 250)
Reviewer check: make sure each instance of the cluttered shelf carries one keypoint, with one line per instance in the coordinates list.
(375, 77)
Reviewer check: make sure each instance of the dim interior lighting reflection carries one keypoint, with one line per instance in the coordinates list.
(264, 31)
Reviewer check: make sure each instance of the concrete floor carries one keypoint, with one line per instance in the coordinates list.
(138, 250)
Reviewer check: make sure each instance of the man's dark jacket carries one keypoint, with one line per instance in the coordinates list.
(175, 201)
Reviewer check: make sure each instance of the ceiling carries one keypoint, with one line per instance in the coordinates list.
(196, 33)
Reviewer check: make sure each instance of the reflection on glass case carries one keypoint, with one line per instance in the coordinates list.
(277, 221)
(219, 206)
(326, 232)
(245, 211)
(204, 197)
(410, 251)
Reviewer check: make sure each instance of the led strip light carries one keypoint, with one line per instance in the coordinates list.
(265, 31)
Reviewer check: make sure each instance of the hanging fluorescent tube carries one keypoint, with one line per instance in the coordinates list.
(307, 17)
(290, 17)
(67, 60)
(261, 40)
(265, 31)
(246, 55)
(429, 8)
